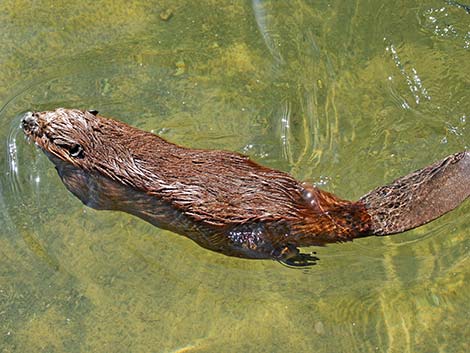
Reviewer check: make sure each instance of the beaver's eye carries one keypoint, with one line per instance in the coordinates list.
(76, 151)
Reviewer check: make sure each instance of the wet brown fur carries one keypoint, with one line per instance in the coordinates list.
(222, 200)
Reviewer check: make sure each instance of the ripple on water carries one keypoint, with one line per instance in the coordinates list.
(12, 156)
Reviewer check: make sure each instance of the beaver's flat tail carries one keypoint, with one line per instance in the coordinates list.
(419, 197)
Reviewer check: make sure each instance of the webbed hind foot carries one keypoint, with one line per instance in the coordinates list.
(301, 260)
(292, 257)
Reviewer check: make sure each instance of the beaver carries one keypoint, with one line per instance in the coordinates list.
(224, 201)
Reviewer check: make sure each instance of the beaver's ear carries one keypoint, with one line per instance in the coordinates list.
(94, 112)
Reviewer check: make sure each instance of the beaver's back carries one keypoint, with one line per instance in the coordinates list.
(216, 186)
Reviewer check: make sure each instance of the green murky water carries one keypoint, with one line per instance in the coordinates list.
(347, 94)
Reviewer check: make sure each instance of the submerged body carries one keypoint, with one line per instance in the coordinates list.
(224, 201)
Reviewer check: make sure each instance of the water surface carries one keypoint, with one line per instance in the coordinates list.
(348, 95)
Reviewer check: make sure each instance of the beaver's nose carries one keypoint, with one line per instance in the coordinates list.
(29, 121)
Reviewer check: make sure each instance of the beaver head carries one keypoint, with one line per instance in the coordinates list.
(82, 147)
(63, 134)
(81, 139)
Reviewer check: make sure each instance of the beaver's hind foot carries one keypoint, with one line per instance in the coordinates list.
(292, 257)
(301, 260)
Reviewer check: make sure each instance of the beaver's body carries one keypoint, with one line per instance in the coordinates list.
(224, 201)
